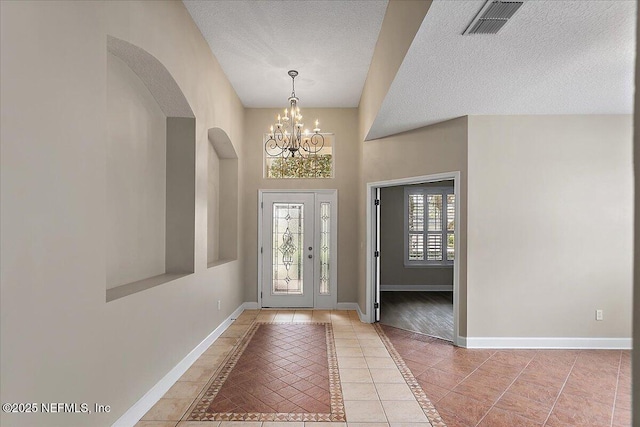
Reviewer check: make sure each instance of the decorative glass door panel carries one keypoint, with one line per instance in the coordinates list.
(288, 249)
(325, 247)
(298, 249)
(288, 262)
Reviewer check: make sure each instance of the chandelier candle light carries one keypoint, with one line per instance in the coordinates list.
(286, 137)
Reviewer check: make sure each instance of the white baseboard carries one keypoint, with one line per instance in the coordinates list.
(416, 288)
(347, 306)
(250, 305)
(137, 411)
(352, 306)
(461, 342)
(550, 342)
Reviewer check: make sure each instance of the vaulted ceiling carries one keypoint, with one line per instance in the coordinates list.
(552, 57)
(330, 43)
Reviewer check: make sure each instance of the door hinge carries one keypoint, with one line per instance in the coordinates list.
(261, 205)
(260, 294)
(260, 249)
(377, 202)
(376, 305)
(376, 254)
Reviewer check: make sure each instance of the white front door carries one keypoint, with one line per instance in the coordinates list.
(298, 249)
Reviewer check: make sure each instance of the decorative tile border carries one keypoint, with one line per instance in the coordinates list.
(198, 411)
(429, 410)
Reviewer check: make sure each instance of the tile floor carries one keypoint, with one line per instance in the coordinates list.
(493, 388)
(468, 387)
(278, 372)
(265, 370)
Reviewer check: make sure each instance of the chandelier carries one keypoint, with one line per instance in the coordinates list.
(286, 137)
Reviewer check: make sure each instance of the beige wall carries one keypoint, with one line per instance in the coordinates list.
(135, 165)
(343, 124)
(549, 214)
(60, 340)
(213, 195)
(431, 150)
(392, 269)
(222, 192)
(401, 22)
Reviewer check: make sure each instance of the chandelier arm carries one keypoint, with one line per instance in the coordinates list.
(272, 148)
(277, 144)
(314, 144)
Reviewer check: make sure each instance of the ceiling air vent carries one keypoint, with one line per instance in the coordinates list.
(492, 17)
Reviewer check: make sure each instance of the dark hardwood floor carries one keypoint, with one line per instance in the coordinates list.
(430, 313)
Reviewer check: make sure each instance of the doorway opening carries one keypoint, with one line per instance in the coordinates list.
(412, 278)
(417, 255)
(297, 249)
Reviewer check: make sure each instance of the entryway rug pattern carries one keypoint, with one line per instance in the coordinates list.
(278, 372)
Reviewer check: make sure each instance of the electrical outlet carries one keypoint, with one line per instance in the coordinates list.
(219, 304)
(599, 315)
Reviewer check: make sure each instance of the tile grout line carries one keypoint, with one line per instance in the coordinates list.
(561, 390)
(373, 382)
(375, 387)
(506, 389)
(615, 395)
(427, 406)
(368, 370)
(468, 375)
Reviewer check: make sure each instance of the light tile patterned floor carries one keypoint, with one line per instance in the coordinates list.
(375, 391)
(382, 379)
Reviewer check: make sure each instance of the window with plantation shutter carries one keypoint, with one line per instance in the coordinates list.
(429, 223)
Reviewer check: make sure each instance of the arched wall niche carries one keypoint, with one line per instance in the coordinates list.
(154, 75)
(150, 185)
(222, 199)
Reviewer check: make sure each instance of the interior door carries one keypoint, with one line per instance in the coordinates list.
(288, 249)
(376, 303)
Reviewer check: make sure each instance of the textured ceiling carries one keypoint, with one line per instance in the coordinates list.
(552, 57)
(256, 42)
